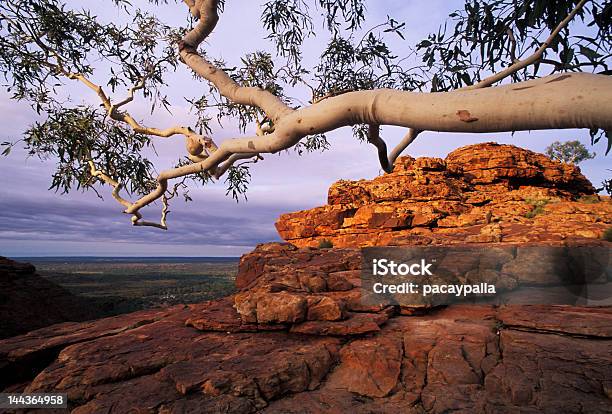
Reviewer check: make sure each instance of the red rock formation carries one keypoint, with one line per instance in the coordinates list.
(480, 193)
(297, 337)
(475, 359)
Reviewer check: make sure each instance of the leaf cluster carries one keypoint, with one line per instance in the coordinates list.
(312, 143)
(238, 179)
(75, 136)
(487, 35)
(41, 41)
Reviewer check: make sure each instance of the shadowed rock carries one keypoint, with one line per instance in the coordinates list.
(28, 301)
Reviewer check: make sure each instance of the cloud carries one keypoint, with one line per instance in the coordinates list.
(34, 221)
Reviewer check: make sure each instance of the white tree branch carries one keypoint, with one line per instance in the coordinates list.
(402, 145)
(206, 12)
(515, 67)
(375, 139)
(576, 100)
(506, 108)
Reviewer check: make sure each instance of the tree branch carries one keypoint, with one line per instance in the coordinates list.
(206, 12)
(515, 67)
(375, 139)
(112, 109)
(521, 64)
(136, 217)
(544, 103)
(402, 145)
(108, 180)
(223, 167)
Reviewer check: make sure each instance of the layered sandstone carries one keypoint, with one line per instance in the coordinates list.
(478, 194)
(298, 337)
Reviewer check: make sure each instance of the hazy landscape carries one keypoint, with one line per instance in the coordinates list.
(127, 284)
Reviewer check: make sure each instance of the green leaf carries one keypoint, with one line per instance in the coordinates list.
(589, 53)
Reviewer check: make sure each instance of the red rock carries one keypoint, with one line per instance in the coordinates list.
(560, 319)
(490, 162)
(281, 307)
(221, 315)
(481, 193)
(298, 337)
(217, 316)
(553, 373)
(454, 359)
(369, 367)
(21, 356)
(268, 307)
(325, 308)
(252, 265)
(340, 281)
(475, 359)
(356, 324)
(211, 369)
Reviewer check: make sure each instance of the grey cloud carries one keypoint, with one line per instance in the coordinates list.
(27, 219)
(36, 221)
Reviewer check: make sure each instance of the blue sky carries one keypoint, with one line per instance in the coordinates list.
(37, 222)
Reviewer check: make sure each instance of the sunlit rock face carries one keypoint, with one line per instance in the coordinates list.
(298, 338)
(478, 194)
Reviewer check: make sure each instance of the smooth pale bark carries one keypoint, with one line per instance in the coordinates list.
(574, 100)
(577, 100)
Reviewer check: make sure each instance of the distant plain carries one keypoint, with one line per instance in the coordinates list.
(125, 284)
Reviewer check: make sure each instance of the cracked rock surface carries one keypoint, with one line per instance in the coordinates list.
(298, 338)
(211, 358)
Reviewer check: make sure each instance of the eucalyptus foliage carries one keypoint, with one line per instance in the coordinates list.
(573, 152)
(42, 41)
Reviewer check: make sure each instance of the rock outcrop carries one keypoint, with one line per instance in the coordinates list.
(298, 338)
(28, 301)
(462, 358)
(479, 194)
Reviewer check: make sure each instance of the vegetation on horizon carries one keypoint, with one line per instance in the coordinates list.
(127, 286)
(569, 152)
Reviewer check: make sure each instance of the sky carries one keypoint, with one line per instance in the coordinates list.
(38, 222)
